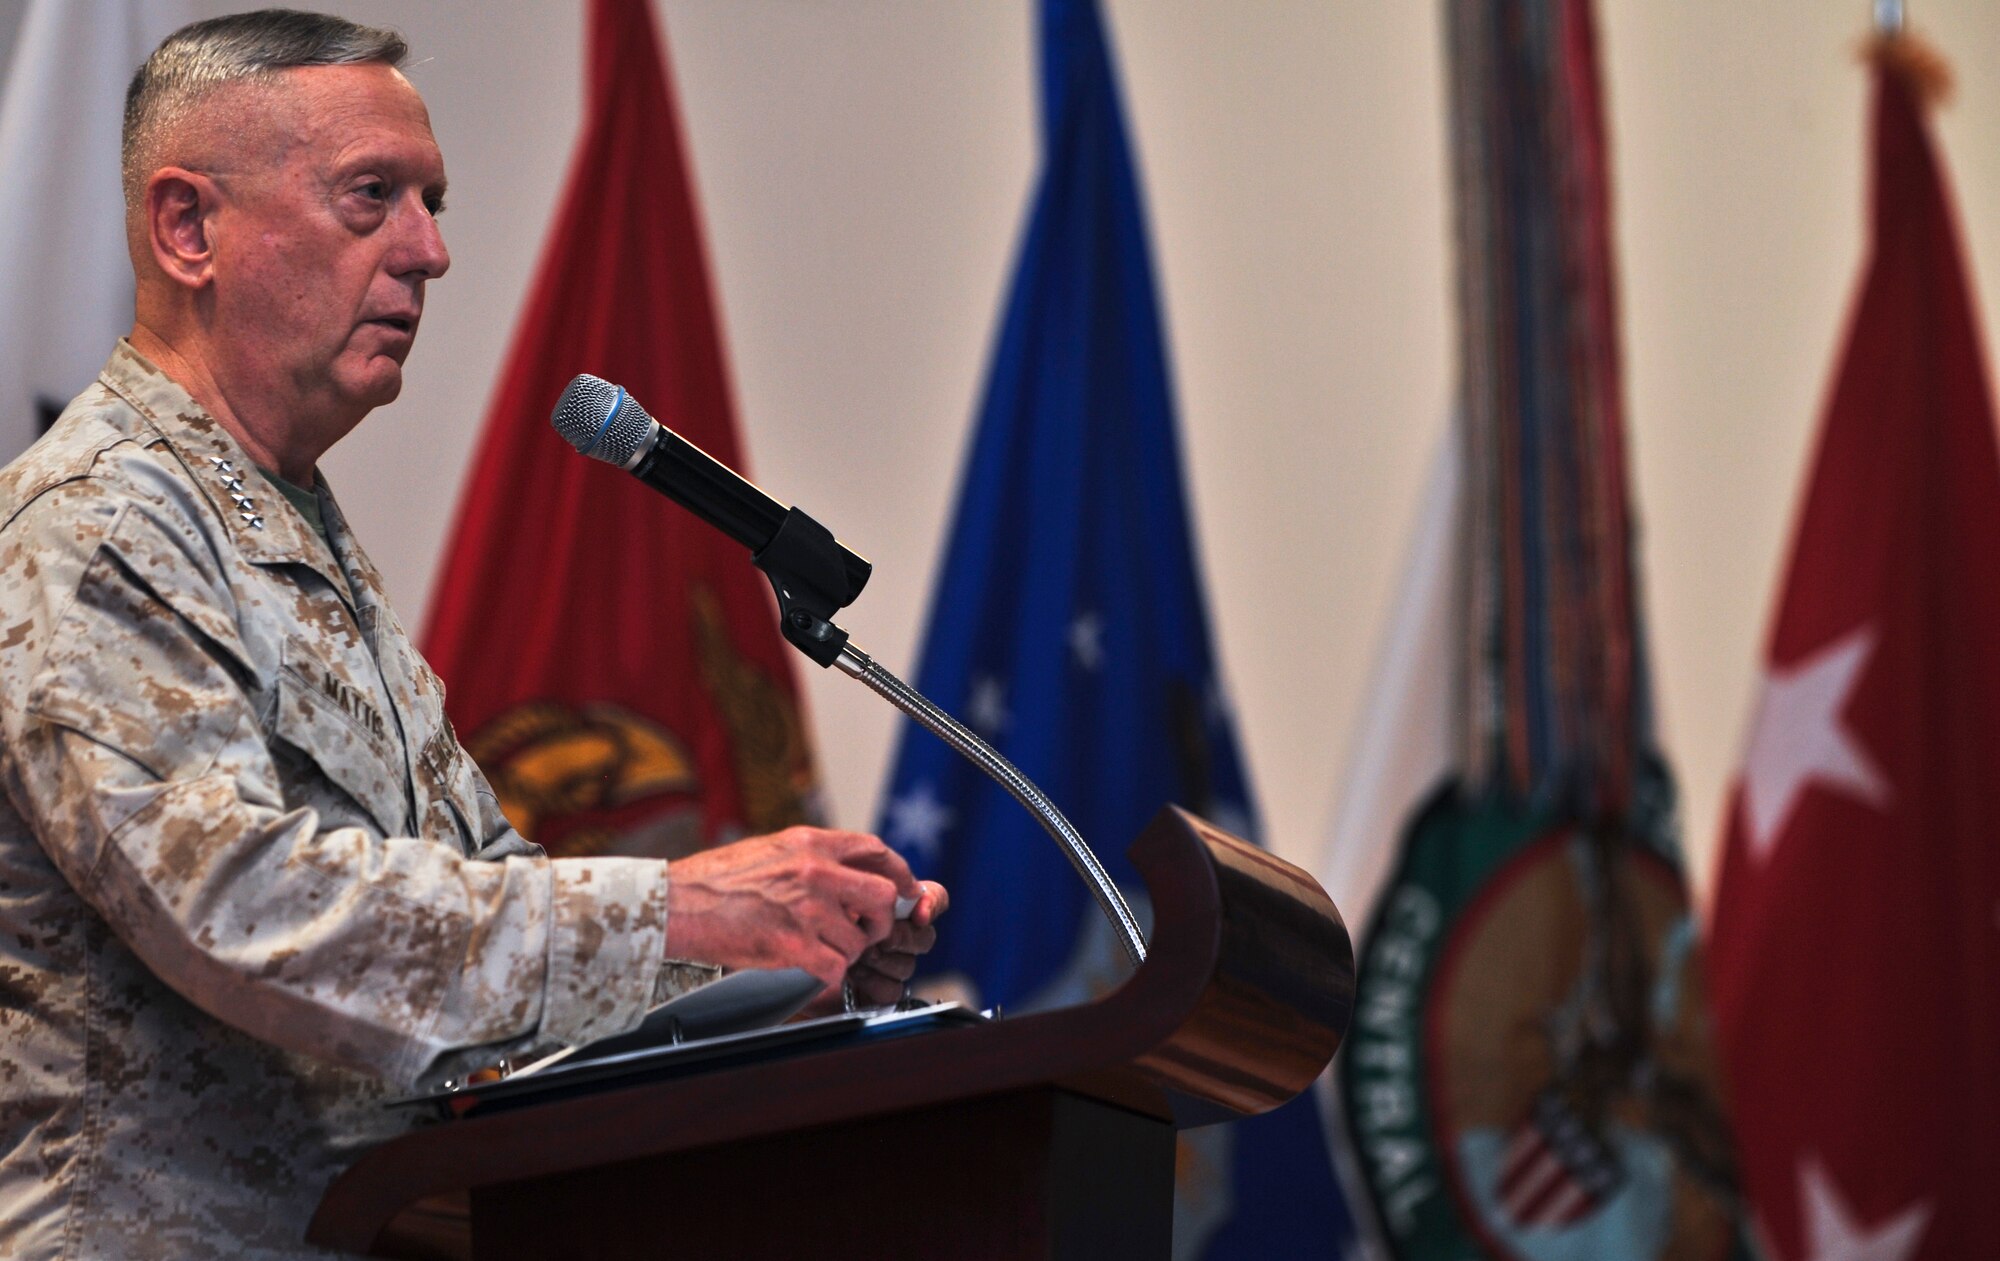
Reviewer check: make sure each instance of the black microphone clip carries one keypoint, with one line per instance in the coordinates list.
(808, 569)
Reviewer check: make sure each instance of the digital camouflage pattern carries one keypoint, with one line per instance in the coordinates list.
(250, 886)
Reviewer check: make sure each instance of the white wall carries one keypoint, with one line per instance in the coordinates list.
(863, 167)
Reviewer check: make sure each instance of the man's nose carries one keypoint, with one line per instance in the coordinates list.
(422, 251)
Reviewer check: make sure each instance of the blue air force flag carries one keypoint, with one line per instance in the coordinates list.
(1069, 629)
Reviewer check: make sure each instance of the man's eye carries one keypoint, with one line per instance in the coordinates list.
(435, 205)
(374, 190)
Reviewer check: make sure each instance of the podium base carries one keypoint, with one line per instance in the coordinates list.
(1037, 1173)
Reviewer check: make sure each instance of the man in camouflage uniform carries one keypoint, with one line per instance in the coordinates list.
(250, 886)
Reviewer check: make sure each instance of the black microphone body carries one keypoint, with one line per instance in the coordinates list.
(702, 484)
(711, 490)
(813, 575)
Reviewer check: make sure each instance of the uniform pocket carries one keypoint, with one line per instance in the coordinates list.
(333, 729)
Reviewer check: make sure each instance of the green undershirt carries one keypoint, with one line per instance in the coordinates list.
(306, 501)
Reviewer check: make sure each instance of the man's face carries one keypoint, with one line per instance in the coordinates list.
(322, 247)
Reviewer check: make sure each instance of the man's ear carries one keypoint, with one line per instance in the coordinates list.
(179, 207)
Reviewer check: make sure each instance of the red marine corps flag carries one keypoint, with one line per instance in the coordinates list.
(1856, 955)
(613, 663)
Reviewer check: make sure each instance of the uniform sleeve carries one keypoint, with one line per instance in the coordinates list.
(133, 743)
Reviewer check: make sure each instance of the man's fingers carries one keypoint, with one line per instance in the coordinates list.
(909, 938)
(903, 944)
(873, 989)
(898, 967)
(826, 964)
(780, 900)
(846, 937)
(868, 853)
(868, 901)
(935, 901)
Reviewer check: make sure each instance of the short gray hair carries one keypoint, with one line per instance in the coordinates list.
(202, 56)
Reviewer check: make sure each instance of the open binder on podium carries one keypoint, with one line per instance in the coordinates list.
(740, 1019)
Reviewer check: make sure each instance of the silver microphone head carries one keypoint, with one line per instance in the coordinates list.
(603, 422)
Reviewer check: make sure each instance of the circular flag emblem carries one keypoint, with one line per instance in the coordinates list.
(1530, 1076)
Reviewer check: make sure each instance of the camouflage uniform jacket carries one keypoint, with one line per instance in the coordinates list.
(250, 886)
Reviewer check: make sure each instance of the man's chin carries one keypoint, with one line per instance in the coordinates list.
(376, 383)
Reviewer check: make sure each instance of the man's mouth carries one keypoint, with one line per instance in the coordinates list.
(401, 323)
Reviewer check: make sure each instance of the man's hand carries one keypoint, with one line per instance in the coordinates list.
(877, 977)
(802, 898)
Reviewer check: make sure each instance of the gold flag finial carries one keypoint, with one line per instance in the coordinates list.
(1907, 54)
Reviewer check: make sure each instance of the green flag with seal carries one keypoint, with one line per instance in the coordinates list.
(1530, 1075)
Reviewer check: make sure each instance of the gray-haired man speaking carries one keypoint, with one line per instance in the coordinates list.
(250, 886)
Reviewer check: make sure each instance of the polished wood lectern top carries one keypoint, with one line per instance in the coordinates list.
(1048, 1135)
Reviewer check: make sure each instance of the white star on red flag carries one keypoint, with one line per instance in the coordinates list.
(1833, 1234)
(1800, 740)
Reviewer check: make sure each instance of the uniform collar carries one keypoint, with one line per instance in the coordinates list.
(265, 528)
(366, 580)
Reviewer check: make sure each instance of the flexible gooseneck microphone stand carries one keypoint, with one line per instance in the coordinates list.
(814, 578)
(809, 573)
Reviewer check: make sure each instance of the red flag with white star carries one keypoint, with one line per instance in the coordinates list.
(1856, 951)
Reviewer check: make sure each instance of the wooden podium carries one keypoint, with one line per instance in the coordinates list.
(1048, 1135)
